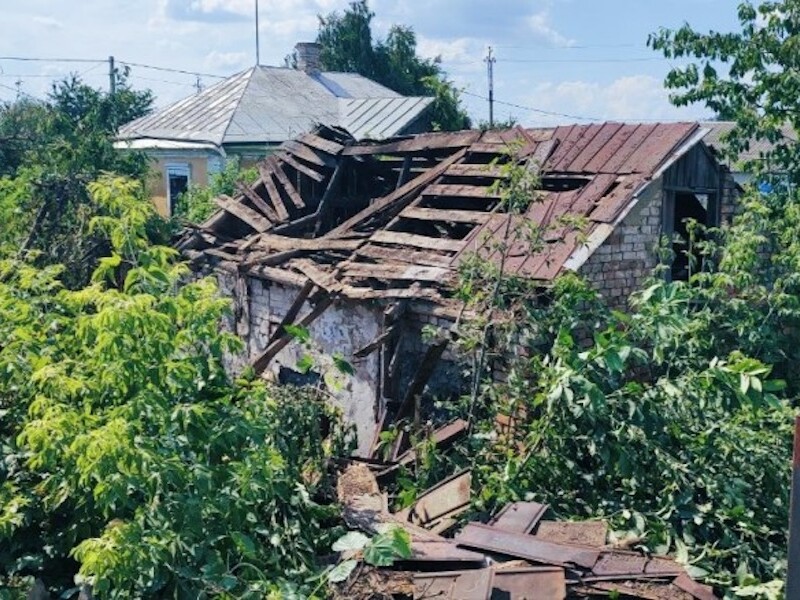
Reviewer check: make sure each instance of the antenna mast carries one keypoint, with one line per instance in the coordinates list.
(258, 49)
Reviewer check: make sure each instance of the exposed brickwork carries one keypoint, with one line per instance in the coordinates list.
(628, 256)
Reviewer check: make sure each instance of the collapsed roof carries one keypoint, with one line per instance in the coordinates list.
(395, 219)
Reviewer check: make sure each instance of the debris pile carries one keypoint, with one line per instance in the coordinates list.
(517, 555)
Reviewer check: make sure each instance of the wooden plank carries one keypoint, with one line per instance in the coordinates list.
(450, 216)
(279, 242)
(375, 344)
(414, 293)
(489, 171)
(417, 241)
(519, 517)
(307, 171)
(442, 438)
(461, 191)
(263, 360)
(321, 143)
(307, 154)
(399, 195)
(278, 275)
(275, 196)
(243, 213)
(293, 311)
(333, 188)
(418, 143)
(257, 201)
(447, 498)
(323, 279)
(520, 545)
(291, 191)
(413, 257)
(397, 271)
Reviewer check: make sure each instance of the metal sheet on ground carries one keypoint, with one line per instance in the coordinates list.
(458, 585)
(519, 517)
(529, 583)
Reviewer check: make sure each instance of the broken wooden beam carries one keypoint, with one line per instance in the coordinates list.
(280, 175)
(243, 213)
(420, 380)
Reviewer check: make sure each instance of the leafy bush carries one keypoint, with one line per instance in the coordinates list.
(197, 203)
(129, 458)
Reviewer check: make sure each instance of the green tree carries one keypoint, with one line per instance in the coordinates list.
(747, 76)
(52, 149)
(128, 458)
(348, 45)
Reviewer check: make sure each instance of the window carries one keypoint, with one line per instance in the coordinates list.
(681, 207)
(178, 178)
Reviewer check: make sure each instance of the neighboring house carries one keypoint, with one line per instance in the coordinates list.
(362, 242)
(249, 114)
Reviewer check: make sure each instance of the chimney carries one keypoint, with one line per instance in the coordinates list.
(308, 57)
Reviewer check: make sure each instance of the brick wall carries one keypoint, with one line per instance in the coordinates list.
(628, 256)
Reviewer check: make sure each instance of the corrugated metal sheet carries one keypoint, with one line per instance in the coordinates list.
(271, 104)
(717, 129)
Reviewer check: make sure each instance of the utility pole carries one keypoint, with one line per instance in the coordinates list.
(112, 76)
(490, 60)
(258, 49)
(198, 85)
(18, 84)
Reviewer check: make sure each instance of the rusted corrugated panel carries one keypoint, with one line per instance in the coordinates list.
(488, 538)
(609, 150)
(529, 583)
(585, 533)
(618, 161)
(442, 551)
(446, 499)
(599, 142)
(658, 147)
(586, 134)
(617, 562)
(519, 517)
(612, 204)
(475, 584)
(698, 590)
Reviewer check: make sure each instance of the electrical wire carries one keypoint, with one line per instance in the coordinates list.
(540, 111)
(167, 69)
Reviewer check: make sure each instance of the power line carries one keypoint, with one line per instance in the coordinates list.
(536, 110)
(169, 70)
(64, 60)
(581, 60)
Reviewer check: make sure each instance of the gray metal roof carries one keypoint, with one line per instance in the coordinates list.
(717, 129)
(272, 104)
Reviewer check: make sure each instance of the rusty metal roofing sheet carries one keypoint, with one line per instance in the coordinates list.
(486, 537)
(529, 583)
(519, 517)
(474, 584)
(586, 533)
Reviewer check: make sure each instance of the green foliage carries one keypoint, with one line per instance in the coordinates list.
(197, 203)
(391, 544)
(50, 151)
(128, 457)
(347, 45)
(747, 76)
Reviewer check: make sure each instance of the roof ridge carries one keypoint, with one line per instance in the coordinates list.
(252, 70)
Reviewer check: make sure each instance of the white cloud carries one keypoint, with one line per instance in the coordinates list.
(539, 24)
(461, 51)
(225, 61)
(48, 22)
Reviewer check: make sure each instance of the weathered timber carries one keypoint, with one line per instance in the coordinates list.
(280, 242)
(274, 196)
(321, 143)
(307, 154)
(461, 191)
(257, 201)
(397, 271)
(305, 170)
(243, 213)
(413, 257)
(279, 173)
(485, 537)
(397, 196)
(379, 341)
(324, 280)
(419, 143)
(417, 241)
(450, 216)
(405, 172)
(489, 171)
(294, 310)
(262, 361)
(330, 191)
(441, 438)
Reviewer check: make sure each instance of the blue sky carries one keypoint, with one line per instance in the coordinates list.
(583, 58)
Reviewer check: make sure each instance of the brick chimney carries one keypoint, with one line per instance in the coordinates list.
(308, 57)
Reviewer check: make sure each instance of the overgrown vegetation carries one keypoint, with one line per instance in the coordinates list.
(50, 151)
(128, 456)
(348, 45)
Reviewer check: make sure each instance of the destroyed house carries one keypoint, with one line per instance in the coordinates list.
(361, 242)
